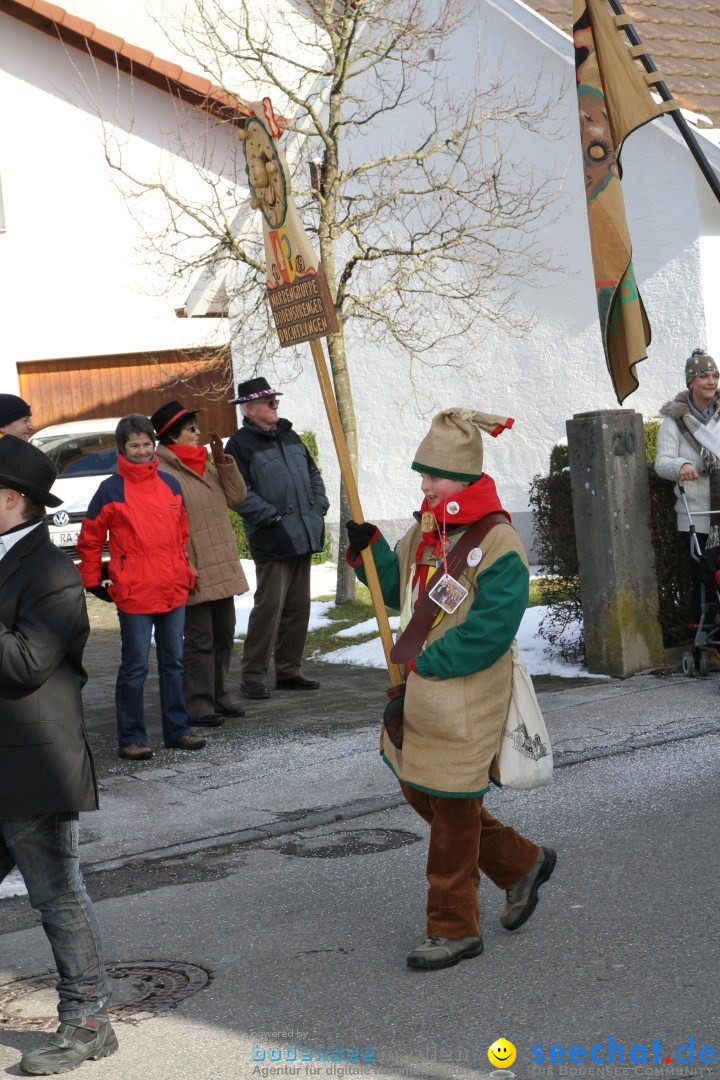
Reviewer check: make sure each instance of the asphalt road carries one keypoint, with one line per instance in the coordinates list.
(305, 937)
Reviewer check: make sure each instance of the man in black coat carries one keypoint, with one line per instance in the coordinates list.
(283, 516)
(46, 769)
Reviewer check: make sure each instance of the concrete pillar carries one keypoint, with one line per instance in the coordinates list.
(611, 508)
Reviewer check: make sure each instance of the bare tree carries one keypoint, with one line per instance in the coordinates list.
(425, 216)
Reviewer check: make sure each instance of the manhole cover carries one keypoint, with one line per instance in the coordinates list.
(140, 990)
(341, 842)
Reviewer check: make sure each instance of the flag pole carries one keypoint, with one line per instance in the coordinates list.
(348, 478)
(662, 89)
(302, 305)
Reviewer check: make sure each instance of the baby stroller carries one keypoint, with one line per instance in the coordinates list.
(707, 632)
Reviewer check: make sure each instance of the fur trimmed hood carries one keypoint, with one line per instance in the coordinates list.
(679, 408)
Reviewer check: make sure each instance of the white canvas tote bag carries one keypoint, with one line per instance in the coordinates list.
(524, 759)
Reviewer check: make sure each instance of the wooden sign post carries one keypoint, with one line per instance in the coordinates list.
(302, 305)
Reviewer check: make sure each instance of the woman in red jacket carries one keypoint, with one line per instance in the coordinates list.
(142, 513)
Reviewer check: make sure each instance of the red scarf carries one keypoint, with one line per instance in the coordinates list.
(195, 457)
(474, 502)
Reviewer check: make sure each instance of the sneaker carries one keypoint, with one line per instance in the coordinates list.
(442, 952)
(135, 752)
(71, 1045)
(522, 898)
(186, 742)
(212, 720)
(256, 691)
(300, 682)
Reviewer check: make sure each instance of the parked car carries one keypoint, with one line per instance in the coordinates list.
(84, 453)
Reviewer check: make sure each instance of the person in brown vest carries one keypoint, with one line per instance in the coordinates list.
(458, 685)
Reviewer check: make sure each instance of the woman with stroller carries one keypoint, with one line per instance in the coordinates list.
(688, 452)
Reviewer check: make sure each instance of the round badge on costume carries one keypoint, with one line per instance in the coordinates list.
(453, 508)
(474, 556)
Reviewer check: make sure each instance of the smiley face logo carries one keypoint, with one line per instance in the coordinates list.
(501, 1054)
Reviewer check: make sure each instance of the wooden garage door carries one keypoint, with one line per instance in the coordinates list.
(94, 387)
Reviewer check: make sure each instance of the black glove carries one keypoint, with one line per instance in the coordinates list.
(101, 592)
(360, 535)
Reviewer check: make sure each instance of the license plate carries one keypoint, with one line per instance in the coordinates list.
(65, 539)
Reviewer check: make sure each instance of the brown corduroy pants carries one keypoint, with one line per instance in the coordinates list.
(465, 840)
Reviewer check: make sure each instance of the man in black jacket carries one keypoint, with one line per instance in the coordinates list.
(283, 516)
(46, 768)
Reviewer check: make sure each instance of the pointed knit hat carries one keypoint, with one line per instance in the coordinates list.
(453, 446)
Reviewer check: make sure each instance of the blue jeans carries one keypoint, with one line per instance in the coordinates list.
(45, 851)
(135, 634)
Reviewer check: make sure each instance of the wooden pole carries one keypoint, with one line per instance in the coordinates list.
(348, 477)
(679, 120)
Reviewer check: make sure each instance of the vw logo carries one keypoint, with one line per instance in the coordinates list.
(61, 518)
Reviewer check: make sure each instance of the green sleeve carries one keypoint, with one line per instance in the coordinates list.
(388, 570)
(490, 625)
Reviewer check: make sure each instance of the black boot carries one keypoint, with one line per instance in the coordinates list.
(72, 1044)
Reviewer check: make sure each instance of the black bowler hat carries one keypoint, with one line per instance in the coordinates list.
(253, 390)
(168, 415)
(28, 470)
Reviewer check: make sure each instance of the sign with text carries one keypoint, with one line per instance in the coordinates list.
(297, 287)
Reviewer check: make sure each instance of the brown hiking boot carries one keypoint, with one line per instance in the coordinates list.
(186, 742)
(135, 752)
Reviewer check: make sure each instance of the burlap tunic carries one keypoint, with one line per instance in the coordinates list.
(452, 726)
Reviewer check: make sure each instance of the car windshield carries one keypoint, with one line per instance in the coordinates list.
(81, 455)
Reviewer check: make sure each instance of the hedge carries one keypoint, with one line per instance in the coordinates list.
(554, 528)
(308, 438)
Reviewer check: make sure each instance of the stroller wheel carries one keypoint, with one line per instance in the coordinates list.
(688, 664)
(703, 665)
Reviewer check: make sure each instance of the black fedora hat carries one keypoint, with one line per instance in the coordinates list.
(26, 469)
(253, 390)
(169, 414)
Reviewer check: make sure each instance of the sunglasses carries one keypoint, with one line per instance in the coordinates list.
(271, 401)
(192, 427)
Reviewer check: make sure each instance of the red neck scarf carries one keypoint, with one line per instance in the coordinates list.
(195, 457)
(473, 502)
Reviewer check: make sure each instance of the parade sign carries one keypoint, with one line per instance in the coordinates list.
(297, 288)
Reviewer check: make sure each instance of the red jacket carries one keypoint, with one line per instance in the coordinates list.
(142, 511)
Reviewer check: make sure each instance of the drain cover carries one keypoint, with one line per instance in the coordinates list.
(140, 990)
(343, 842)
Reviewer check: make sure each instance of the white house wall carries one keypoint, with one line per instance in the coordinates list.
(74, 281)
(559, 368)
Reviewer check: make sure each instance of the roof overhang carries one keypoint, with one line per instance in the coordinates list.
(136, 62)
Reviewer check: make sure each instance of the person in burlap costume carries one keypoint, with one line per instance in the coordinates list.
(688, 452)
(458, 687)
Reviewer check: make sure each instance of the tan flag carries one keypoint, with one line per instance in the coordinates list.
(613, 100)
